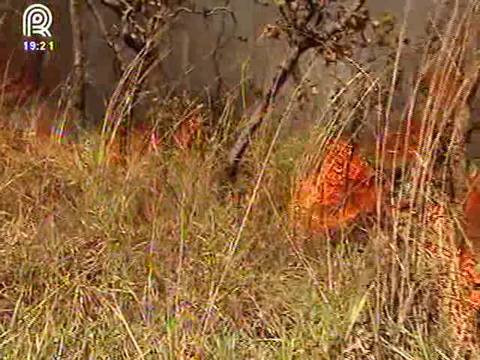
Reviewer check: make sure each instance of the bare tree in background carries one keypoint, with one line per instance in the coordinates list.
(141, 24)
(328, 27)
(77, 85)
(139, 29)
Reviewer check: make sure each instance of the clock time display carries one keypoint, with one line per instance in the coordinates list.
(30, 45)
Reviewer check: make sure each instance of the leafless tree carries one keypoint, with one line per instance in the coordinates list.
(77, 86)
(141, 23)
(326, 26)
(140, 28)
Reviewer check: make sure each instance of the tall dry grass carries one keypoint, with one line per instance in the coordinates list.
(146, 260)
(420, 166)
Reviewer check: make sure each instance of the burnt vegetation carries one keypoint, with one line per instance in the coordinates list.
(185, 225)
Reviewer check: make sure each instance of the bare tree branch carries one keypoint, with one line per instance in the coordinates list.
(206, 12)
(116, 5)
(303, 23)
(140, 20)
(238, 150)
(109, 38)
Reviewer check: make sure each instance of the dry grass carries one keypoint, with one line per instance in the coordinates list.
(146, 260)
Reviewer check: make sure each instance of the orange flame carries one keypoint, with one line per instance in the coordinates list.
(341, 190)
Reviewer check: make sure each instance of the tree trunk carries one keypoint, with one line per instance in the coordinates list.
(77, 95)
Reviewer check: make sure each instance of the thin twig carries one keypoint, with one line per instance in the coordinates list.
(205, 12)
(106, 35)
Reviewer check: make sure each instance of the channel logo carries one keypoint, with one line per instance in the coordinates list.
(37, 20)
